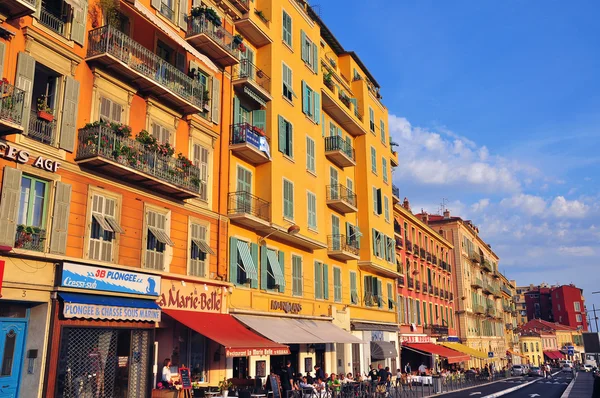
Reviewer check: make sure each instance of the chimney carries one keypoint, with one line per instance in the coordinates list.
(406, 204)
(446, 214)
(425, 217)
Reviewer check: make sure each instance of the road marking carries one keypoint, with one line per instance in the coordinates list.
(475, 393)
(534, 395)
(509, 390)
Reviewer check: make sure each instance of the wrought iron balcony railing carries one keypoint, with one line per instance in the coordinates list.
(11, 103)
(430, 289)
(108, 40)
(30, 238)
(337, 143)
(202, 25)
(478, 309)
(42, 130)
(401, 280)
(397, 227)
(398, 242)
(247, 70)
(343, 243)
(424, 287)
(411, 282)
(51, 21)
(340, 192)
(417, 286)
(436, 291)
(103, 142)
(506, 290)
(416, 250)
(422, 252)
(428, 255)
(245, 133)
(246, 203)
(395, 191)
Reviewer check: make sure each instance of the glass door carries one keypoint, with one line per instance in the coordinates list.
(12, 337)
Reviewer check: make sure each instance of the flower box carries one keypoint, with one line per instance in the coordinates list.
(45, 116)
(164, 393)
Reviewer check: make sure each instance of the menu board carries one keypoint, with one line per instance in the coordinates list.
(184, 376)
(275, 385)
(261, 368)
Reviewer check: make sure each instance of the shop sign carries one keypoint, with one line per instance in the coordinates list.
(286, 306)
(203, 298)
(109, 280)
(109, 312)
(437, 330)
(13, 153)
(414, 339)
(247, 352)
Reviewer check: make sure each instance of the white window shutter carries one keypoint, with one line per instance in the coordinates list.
(9, 205)
(216, 100)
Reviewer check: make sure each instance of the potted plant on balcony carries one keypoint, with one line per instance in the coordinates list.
(44, 112)
(328, 80)
(258, 131)
(206, 100)
(261, 15)
(237, 39)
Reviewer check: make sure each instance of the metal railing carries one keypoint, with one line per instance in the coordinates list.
(430, 289)
(31, 2)
(436, 291)
(51, 21)
(340, 192)
(422, 252)
(337, 143)
(247, 70)
(486, 265)
(42, 130)
(478, 308)
(397, 227)
(30, 238)
(475, 257)
(409, 245)
(246, 203)
(398, 242)
(506, 290)
(491, 311)
(424, 287)
(417, 286)
(201, 25)
(441, 293)
(245, 133)
(108, 40)
(451, 296)
(11, 103)
(104, 142)
(342, 243)
(401, 280)
(411, 282)
(416, 250)
(428, 255)
(476, 282)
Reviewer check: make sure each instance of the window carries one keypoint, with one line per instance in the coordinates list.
(287, 29)
(377, 237)
(110, 111)
(199, 250)
(243, 262)
(311, 103)
(321, 281)
(578, 317)
(372, 120)
(296, 275)
(103, 227)
(577, 306)
(558, 306)
(286, 137)
(288, 91)
(311, 198)
(200, 160)
(161, 133)
(537, 346)
(157, 239)
(373, 160)
(382, 128)
(288, 199)
(310, 54)
(33, 202)
(386, 208)
(337, 284)
(384, 169)
(353, 288)
(390, 294)
(377, 205)
(310, 155)
(373, 292)
(418, 308)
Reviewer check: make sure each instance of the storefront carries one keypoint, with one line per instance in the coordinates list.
(435, 357)
(102, 334)
(381, 345)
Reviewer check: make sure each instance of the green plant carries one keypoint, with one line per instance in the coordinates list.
(42, 104)
(110, 10)
(328, 78)
(261, 15)
(205, 96)
(225, 385)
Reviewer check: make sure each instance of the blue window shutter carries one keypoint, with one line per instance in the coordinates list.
(322, 125)
(304, 97)
(254, 253)
(233, 258)
(282, 139)
(303, 54)
(315, 65)
(282, 265)
(263, 268)
(317, 105)
(259, 119)
(325, 282)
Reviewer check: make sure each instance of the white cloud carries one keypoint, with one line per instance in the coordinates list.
(579, 251)
(480, 205)
(529, 204)
(562, 207)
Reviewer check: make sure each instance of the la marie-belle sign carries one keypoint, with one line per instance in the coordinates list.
(8, 151)
(191, 297)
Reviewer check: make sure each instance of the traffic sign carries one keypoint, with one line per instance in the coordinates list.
(570, 350)
(490, 354)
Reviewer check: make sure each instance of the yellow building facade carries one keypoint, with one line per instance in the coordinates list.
(509, 317)
(309, 190)
(531, 347)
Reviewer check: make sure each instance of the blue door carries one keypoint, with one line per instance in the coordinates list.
(12, 338)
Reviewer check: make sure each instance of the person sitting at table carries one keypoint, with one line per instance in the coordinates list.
(334, 383)
(320, 385)
(422, 369)
(305, 385)
(309, 378)
(348, 378)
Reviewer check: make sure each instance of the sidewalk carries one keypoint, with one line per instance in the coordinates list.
(582, 387)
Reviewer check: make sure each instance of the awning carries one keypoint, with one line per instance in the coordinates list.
(466, 350)
(227, 331)
(203, 246)
(381, 350)
(367, 326)
(297, 331)
(275, 268)
(161, 236)
(448, 353)
(554, 354)
(247, 262)
(515, 354)
(109, 307)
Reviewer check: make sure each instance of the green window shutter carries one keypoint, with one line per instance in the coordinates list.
(183, 10)
(2, 51)
(325, 282)
(353, 292)
(259, 119)
(317, 105)
(263, 268)
(322, 125)
(69, 115)
(315, 60)
(282, 136)
(290, 141)
(60, 218)
(305, 95)
(303, 54)
(375, 247)
(318, 281)
(78, 24)
(282, 265)
(233, 259)
(237, 116)
(215, 100)
(379, 293)
(254, 253)
(156, 4)
(24, 81)
(9, 205)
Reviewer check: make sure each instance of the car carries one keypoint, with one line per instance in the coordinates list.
(567, 368)
(535, 371)
(587, 368)
(518, 370)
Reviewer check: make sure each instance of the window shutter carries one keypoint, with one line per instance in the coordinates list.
(374, 231)
(282, 265)
(282, 135)
(325, 282)
(233, 258)
(156, 4)
(216, 100)
(304, 54)
(9, 205)
(315, 59)
(105, 109)
(78, 25)
(259, 119)
(318, 274)
(263, 268)
(60, 218)
(183, 10)
(24, 81)
(69, 115)
(117, 112)
(2, 51)
(180, 61)
(317, 105)
(305, 98)
(290, 141)
(237, 117)
(254, 253)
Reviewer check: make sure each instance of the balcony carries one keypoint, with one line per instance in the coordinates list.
(436, 291)
(430, 290)
(429, 258)
(342, 248)
(476, 283)
(42, 130)
(340, 108)
(395, 194)
(397, 228)
(398, 242)
(506, 290)
(394, 159)
(17, 8)
(339, 151)
(213, 40)
(52, 22)
(424, 287)
(411, 283)
(409, 245)
(487, 266)
(249, 143)
(103, 151)
(30, 238)
(241, 5)
(434, 260)
(416, 250)
(475, 258)
(401, 280)
(253, 82)
(487, 289)
(478, 309)
(441, 293)
(341, 199)
(451, 296)
(422, 252)
(11, 108)
(254, 30)
(491, 312)
(248, 210)
(138, 65)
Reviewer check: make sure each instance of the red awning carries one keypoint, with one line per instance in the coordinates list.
(227, 331)
(451, 355)
(554, 354)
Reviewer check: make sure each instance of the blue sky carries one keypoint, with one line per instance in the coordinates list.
(496, 107)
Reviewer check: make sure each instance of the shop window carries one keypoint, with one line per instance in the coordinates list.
(157, 240)
(103, 227)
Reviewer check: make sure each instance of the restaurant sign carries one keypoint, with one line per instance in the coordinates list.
(246, 352)
(286, 306)
(109, 280)
(10, 152)
(407, 338)
(109, 312)
(201, 298)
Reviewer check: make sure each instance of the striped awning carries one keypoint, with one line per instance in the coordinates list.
(203, 246)
(161, 236)
(275, 268)
(254, 96)
(247, 262)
